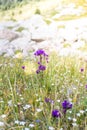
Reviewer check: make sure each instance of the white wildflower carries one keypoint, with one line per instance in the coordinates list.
(36, 94)
(86, 110)
(27, 106)
(70, 111)
(10, 103)
(78, 114)
(58, 100)
(74, 124)
(41, 103)
(1, 101)
(31, 125)
(51, 128)
(3, 116)
(2, 123)
(74, 88)
(74, 119)
(39, 99)
(22, 123)
(61, 128)
(81, 111)
(38, 110)
(22, 98)
(17, 122)
(69, 118)
(26, 129)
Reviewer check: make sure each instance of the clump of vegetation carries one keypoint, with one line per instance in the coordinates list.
(6, 4)
(20, 29)
(37, 11)
(48, 93)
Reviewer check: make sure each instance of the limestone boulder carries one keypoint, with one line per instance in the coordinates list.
(8, 34)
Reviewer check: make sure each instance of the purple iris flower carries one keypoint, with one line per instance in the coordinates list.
(42, 67)
(48, 100)
(86, 86)
(42, 57)
(56, 113)
(40, 52)
(66, 105)
(38, 71)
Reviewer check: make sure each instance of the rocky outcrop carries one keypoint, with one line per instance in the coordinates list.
(8, 34)
(64, 37)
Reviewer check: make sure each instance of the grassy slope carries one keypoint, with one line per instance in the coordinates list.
(47, 8)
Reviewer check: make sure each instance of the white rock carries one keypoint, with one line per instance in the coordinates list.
(20, 43)
(3, 46)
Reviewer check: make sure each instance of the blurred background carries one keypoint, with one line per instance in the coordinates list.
(50, 9)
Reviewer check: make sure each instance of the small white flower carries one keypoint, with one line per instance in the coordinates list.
(58, 100)
(70, 99)
(74, 88)
(39, 99)
(74, 119)
(26, 129)
(3, 116)
(61, 128)
(38, 110)
(51, 128)
(86, 110)
(2, 123)
(17, 122)
(10, 103)
(26, 107)
(69, 118)
(22, 98)
(22, 123)
(81, 111)
(31, 125)
(1, 101)
(70, 111)
(36, 94)
(41, 103)
(74, 124)
(78, 114)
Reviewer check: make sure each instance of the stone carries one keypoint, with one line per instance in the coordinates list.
(8, 34)
(3, 46)
(22, 44)
(9, 52)
(44, 32)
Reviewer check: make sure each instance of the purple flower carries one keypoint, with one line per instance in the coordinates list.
(42, 57)
(56, 113)
(48, 100)
(42, 67)
(40, 52)
(38, 71)
(86, 86)
(39, 63)
(23, 67)
(82, 69)
(66, 105)
(38, 121)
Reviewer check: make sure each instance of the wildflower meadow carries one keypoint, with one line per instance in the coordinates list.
(45, 92)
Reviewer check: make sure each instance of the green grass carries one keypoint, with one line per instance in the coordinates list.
(61, 80)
